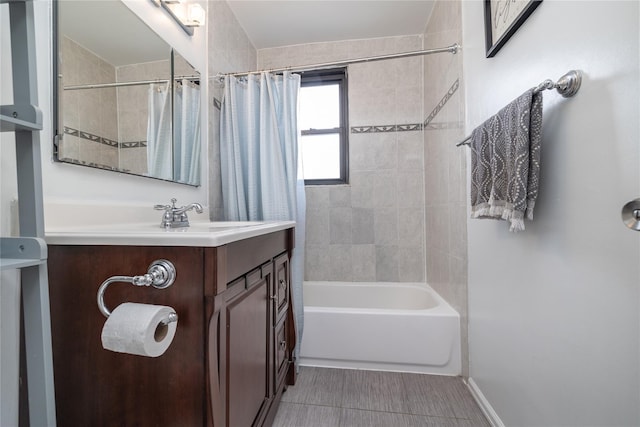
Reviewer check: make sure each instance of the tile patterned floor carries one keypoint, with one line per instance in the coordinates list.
(324, 397)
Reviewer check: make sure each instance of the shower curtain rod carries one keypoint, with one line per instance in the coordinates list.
(454, 48)
(136, 83)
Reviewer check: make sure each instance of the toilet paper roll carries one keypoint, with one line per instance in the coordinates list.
(138, 329)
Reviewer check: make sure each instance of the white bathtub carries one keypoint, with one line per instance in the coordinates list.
(383, 326)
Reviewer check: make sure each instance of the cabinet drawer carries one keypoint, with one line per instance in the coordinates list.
(281, 284)
(281, 353)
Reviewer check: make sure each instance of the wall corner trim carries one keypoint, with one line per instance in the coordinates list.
(484, 404)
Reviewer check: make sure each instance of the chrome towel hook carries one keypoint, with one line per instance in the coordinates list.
(161, 274)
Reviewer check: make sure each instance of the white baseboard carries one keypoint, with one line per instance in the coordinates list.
(484, 404)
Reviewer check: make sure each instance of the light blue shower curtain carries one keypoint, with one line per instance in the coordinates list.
(260, 163)
(159, 152)
(186, 166)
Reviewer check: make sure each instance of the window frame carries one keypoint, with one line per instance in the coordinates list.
(329, 77)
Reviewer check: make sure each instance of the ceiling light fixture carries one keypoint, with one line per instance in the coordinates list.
(187, 15)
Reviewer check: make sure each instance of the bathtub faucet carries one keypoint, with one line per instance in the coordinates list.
(174, 217)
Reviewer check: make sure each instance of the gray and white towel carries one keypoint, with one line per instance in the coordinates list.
(505, 162)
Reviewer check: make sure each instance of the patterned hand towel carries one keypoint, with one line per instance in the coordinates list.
(505, 162)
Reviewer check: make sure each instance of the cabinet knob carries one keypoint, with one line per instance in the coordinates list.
(273, 297)
(283, 283)
(283, 344)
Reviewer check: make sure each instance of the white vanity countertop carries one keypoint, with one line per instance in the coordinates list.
(199, 233)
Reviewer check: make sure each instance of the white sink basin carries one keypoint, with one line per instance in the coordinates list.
(213, 227)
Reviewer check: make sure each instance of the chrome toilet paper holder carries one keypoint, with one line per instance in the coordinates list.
(161, 274)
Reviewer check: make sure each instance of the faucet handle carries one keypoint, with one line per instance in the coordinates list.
(166, 207)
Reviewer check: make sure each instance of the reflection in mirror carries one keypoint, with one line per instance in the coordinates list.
(126, 101)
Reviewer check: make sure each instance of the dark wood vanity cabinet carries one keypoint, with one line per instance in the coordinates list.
(231, 352)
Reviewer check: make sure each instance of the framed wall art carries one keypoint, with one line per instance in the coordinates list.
(502, 18)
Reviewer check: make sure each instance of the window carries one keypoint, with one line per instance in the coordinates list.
(323, 124)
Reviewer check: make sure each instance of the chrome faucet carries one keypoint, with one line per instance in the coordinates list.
(176, 217)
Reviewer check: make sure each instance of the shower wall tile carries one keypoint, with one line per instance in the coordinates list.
(340, 225)
(387, 269)
(364, 263)
(385, 151)
(362, 226)
(445, 165)
(361, 157)
(69, 147)
(318, 196)
(317, 225)
(436, 171)
(317, 262)
(89, 110)
(410, 150)
(133, 107)
(109, 116)
(376, 105)
(362, 189)
(340, 196)
(410, 189)
(410, 227)
(89, 114)
(411, 264)
(135, 161)
(438, 224)
(341, 261)
(438, 273)
(133, 101)
(408, 105)
(385, 222)
(317, 217)
(71, 110)
(385, 184)
(385, 197)
(406, 76)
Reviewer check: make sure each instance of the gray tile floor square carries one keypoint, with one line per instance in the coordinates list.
(354, 398)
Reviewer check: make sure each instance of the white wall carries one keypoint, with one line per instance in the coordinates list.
(554, 311)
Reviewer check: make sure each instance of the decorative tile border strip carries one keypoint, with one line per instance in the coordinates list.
(443, 125)
(442, 103)
(102, 140)
(94, 165)
(133, 144)
(386, 128)
(427, 125)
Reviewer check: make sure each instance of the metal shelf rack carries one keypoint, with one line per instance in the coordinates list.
(28, 253)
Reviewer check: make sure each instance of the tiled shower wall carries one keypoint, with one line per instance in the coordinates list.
(133, 107)
(107, 127)
(89, 113)
(373, 228)
(133, 111)
(403, 215)
(445, 165)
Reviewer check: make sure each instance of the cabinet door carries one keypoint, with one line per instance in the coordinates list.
(281, 285)
(248, 359)
(97, 387)
(281, 354)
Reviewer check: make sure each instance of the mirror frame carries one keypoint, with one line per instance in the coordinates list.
(58, 125)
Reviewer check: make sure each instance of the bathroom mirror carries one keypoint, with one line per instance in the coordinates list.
(126, 101)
